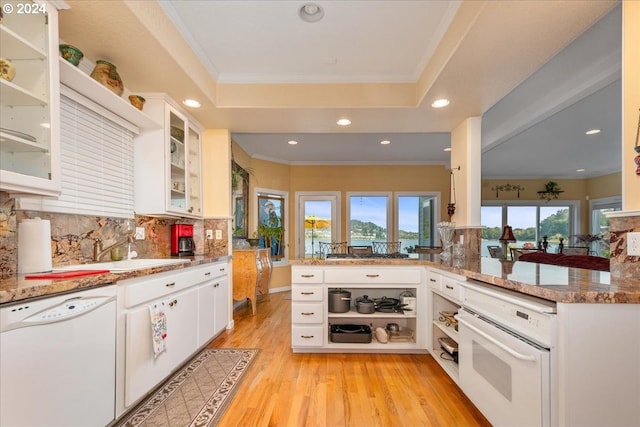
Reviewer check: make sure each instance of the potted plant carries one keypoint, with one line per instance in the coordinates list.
(272, 233)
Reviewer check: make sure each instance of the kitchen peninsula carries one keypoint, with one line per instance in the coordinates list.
(592, 315)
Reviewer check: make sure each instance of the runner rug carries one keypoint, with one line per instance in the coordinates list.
(198, 394)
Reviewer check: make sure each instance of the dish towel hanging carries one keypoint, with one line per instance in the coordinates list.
(158, 328)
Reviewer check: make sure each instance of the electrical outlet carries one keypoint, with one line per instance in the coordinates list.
(633, 244)
(209, 234)
(139, 233)
(218, 234)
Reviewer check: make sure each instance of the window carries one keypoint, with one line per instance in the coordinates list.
(530, 223)
(318, 217)
(417, 216)
(600, 222)
(96, 162)
(271, 222)
(369, 217)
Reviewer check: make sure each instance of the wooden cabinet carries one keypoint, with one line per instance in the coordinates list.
(168, 162)
(251, 274)
(30, 103)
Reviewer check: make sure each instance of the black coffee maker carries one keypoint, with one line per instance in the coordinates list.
(182, 243)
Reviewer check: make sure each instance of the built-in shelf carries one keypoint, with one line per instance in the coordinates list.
(84, 84)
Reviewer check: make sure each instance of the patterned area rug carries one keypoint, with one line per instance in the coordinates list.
(198, 394)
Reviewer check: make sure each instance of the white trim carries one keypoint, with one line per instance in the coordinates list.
(623, 214)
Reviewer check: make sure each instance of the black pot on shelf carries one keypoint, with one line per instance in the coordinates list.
(364, 305)
(339, 301)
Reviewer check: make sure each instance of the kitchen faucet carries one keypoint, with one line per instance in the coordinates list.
(98, 252)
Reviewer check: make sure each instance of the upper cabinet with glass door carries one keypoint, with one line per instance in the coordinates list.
(29, 99)
(167, 162)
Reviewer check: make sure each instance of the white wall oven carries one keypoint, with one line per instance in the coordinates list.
(505, 356)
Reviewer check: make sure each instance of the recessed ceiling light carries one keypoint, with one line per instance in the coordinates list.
(580, 170)
(192, 103)
(447, 149)
(592, 131)
(311, 12)
(439, 103)
(344, 122)
(292, 142)
(385, 142)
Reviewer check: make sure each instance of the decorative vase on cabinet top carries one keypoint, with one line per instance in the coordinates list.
(106, 73)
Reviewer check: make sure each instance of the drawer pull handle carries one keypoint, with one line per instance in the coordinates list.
(308, 314)
(208, 273)
(173, 303)
(307, 336)
(308, 275)
(170, 285)
(307, 293)
(448, 286)
(373, 275)
(432, 280)
(222, 269)
(216, 285)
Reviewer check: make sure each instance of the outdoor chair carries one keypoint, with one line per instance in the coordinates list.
(332, 248)
(386, 247)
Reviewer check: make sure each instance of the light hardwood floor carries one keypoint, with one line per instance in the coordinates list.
(283, 388)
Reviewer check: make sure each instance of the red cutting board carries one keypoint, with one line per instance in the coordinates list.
(64, 274)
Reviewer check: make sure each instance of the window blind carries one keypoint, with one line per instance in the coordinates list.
(96, 162)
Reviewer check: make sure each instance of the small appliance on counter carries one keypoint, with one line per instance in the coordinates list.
(182, 243)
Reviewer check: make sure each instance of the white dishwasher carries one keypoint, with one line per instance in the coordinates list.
(57, 360)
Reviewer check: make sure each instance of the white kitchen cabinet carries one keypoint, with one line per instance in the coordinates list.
(167, 165)
(213, 303)
(445, 298)
(144, 370)
(29, 104)
(311, 319)
(195, 300)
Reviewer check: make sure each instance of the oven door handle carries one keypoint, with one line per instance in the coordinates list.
(525, 357)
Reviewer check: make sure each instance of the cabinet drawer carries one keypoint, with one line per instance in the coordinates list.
(434, 279)
(450, 287)
(372, 275)
(307, 293)
(140, 290)
(306, 336)
(306, 312)
(306, 276)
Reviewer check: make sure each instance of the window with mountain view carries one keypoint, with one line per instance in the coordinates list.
(530, 223)
(411, 220)
(369, 216)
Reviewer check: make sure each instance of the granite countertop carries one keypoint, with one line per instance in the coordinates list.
(17, 288)
(554, 283)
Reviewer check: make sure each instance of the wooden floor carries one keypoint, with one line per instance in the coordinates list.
(283, 388)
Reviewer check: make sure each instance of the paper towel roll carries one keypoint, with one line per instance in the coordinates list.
(34, 246)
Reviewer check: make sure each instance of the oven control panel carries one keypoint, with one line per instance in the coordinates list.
(532, 318)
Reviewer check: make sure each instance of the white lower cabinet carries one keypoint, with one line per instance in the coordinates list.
(144, 369)
(312, 321)
(445, 299)
(195, 302)
(213, 311)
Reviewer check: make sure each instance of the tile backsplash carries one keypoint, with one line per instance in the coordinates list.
(73, 236)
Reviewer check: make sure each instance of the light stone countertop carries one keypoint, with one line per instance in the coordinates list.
(554, 283)
(18, 289)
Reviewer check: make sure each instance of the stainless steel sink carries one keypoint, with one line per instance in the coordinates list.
(122, 266)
